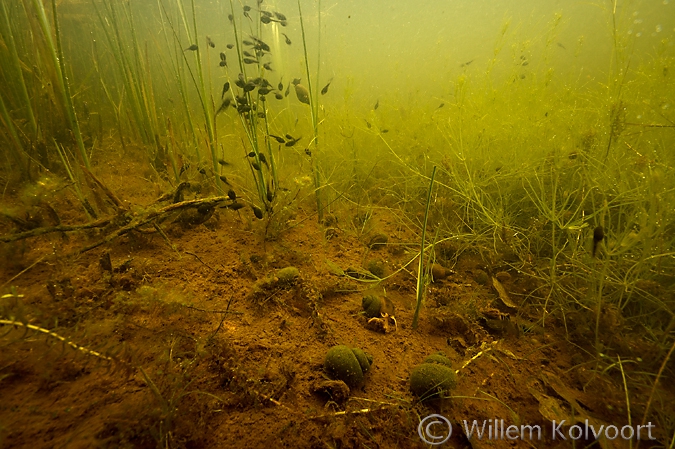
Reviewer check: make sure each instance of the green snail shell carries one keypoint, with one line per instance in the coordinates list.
(377, 306)
(439, 358)
(433, 378)
(372, 306)
(347, 364)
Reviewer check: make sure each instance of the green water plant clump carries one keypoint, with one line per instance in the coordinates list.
(348, 364)
(434, 377)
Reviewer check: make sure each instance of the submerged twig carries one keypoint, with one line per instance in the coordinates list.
(113, 359)
(150, 216)
(204, 263)
(199, 309)
(60, 228)
(23, 271)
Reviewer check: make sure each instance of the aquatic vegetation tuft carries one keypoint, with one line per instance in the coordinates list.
(519, 187)
(32, 40)
(134, 81)
(421, 283)
(313, 101)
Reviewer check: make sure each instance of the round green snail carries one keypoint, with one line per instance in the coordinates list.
(434, 377)
(347, 364)
(377, 306)
(381, 311)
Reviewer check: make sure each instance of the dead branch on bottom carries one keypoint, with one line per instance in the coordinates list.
(134, 222)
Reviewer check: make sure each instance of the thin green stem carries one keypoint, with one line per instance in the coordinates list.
(420, 268)
(314, 107)
(56, 54)
(14, 135)
(179, 63)
(206, 105)
(17, 66)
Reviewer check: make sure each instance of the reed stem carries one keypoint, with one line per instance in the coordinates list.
(250, 122)
(17, 147)
(56, 53)
(420, 268)
(179, 63)
(206, 105)
(16, 62)
(314, 107)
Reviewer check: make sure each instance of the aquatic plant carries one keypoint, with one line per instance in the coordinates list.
(254, 122)
(137, 92)
(73, 178)
(58, 60)
(617, 76)
(17, 147)
(530, 165)
(205, 98)
(421, 266)
(314, 105)
(23, 34)
(560, 205)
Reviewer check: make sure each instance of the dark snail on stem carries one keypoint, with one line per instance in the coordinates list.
(598, 236)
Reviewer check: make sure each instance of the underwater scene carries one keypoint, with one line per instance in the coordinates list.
(337, 224)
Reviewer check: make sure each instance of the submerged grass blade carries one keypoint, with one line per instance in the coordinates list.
(420, 268)
(74, 179)
(17, 147)
(179, 64)
(207, 100)
(16, 62)
(56, 53)
(313, 107)
(250, 126)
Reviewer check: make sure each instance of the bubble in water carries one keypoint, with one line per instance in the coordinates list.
(639, 117)
(665, 106)
(665, 2)
(659, 28)
(638, 34)
(635, 13)
(637, 21)
(630, 32)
